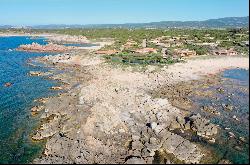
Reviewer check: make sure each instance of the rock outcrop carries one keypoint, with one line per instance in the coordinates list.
(113, 118)
(8, 84)
(68, 39)
(35, 47)
(109, 119)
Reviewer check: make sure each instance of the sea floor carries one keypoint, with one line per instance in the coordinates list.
(224, 100)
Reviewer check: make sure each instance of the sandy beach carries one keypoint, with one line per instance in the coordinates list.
(109, 114)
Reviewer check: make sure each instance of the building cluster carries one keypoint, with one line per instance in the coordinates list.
(168, 41)
(174, 46)
(184, 52)
(132, 47)
(227, 52)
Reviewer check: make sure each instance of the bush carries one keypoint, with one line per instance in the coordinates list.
(148, 59)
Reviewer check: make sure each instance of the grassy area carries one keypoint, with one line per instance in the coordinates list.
(147, 59)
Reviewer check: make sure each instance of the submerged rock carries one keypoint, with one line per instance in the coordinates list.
(37, 108)
(227, 107)
(225, 161)
(235, 118)
(231, 134)
(56, 88)
(202, 126)
(210, 109)
(35, 73)
(38, 73)
(8, 84)
(243, 139)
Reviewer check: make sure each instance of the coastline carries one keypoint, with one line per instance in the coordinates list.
(108, 114)
(60, 38)
(23, 35)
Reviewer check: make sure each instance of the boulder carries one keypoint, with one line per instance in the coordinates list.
(8, 84)
(202, 126)
(56, 88)
(135, 160)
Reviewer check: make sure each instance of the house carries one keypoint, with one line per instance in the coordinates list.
(210, 38)
(159, 42)
(212, 44)
(146, 50)
(167, 45)
(232, 52)
(184, 37)
(155, 41)
(144, 43)
(106, 52)
(189, 41)
(229, 52)
(241, 34)
(165, 53)
(130, 43)
(160, 39)
(178, 44)
(176, 38)
(220, 52)
(246, 43)
(184, 52)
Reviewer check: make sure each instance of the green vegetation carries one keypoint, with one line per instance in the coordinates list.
(225, 38)
(200, 50)
(128, 58)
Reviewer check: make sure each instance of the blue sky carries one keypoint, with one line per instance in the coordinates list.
(38, 12)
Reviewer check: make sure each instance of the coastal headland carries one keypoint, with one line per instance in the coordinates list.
(110, 114)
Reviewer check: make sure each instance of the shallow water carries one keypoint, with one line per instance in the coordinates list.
(16, 123)
(235, 91)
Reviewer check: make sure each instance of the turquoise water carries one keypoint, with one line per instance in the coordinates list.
(235, 85)
(16, 123)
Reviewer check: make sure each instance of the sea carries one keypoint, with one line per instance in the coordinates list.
(16, 122)
(232, 142)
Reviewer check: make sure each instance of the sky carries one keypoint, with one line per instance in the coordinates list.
(42, 12)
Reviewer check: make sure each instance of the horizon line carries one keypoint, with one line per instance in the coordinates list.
(126, 23)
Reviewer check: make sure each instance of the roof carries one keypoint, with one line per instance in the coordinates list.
(146, 50)
(108, 52)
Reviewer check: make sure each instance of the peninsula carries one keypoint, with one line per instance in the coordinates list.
(111, 112)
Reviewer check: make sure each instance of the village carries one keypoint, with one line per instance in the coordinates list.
(181, 46)
(163, 45)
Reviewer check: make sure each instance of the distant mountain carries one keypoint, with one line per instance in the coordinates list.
(5, 26)
(228, 22)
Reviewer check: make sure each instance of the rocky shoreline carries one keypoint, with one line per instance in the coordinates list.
(35, 47)
(57, 40)
(110, 114)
